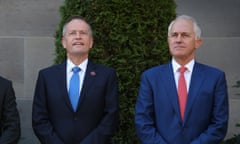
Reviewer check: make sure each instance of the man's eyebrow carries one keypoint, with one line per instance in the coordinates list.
(182, 32)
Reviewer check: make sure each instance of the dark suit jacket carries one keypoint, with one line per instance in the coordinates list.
(158, 119)
(9, 117)
(96, 118)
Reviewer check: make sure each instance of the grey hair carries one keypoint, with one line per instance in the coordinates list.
(196, 28)
(73, 18)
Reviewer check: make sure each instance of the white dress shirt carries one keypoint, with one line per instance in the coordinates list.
(82, 66)
(187, 73)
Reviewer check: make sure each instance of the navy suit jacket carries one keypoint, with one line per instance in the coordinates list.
(158, 119)
(9, 116)
(96, 118)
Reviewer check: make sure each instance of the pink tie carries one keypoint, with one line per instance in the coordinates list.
(182, 91)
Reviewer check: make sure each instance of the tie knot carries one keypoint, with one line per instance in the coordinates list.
(182, 69)
(76, 69)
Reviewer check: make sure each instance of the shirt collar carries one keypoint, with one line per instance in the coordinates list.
(82, 66)
(189, 65)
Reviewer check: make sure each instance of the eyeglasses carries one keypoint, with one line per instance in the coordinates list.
(180, 35)
(75, 33)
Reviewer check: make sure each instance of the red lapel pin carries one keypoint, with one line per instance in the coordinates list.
(92, 73)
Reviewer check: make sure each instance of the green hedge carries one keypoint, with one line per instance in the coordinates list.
(130, 36)
(236, 138)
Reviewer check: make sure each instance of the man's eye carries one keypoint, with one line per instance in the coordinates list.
(72, 33)
(84, 32)
(173, 35)
(185, 35)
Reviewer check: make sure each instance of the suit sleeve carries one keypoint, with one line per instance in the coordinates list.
(144, 115)
(109, 123)
(40, 117)
(217, 129)
(10, 117)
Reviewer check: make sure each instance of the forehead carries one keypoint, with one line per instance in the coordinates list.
(182, 25)
(77, 24)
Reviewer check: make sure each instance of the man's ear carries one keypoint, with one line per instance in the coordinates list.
(198, 42)
(91, 43)
(63, 43)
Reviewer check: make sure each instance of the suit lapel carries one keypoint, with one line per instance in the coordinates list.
(195, 85)
(171, 89)
(62, 80)
(89, 77)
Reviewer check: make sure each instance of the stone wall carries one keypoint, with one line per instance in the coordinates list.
(219, 20)
(27, 29)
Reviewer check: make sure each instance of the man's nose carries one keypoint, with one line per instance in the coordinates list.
(179, 38)
(78, 35)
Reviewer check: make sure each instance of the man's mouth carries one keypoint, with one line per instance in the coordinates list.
(78, 43)
(178, 47)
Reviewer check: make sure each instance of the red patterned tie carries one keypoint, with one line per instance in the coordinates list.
(182, 91)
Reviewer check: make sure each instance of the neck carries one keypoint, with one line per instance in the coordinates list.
(77, 60)
(183, 61)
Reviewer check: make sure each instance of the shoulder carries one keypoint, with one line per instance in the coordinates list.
(5, 84)
(100, 67)
(104, 67)
(158, 69)
(208, 69)
(4, 81)
(53, 68)
(101, 71)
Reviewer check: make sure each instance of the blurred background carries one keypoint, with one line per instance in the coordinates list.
(27, 30)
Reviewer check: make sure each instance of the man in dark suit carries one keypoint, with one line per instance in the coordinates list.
(188, 107)
(9, 116)
(94, 117)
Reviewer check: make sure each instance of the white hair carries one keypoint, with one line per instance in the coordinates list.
(196, 28)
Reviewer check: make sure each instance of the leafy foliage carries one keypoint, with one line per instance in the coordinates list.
(130, 36)
(233, 140)
(236, 138)
(237, 85)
